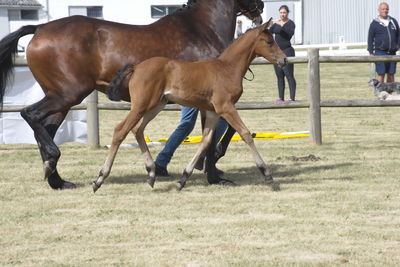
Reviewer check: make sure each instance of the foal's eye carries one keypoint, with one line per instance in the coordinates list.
(270, 42)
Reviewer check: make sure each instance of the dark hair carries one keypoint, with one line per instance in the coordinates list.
(284, 7)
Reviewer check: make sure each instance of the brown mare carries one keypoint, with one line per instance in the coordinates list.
(73, 56)
(213, 85)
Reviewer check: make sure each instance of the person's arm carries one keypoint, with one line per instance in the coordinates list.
(288, 29)
(371, 34)
(275, 28)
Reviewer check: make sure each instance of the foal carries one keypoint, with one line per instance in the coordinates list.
(213, 86)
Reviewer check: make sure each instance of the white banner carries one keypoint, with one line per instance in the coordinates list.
(25, 91)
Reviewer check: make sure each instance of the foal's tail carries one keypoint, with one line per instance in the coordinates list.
(114, 88)
(8, 49)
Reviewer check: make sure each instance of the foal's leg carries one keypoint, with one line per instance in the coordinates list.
(120, 133)
(211, 120)
(232, 116)
(138, 131)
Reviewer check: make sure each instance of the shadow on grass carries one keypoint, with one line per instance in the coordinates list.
(142, 178)
(241, 176)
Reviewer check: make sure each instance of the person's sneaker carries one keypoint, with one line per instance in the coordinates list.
(279, 100)
(161, 171)
(291, 100)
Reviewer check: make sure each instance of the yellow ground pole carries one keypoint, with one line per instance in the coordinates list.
(236, 137)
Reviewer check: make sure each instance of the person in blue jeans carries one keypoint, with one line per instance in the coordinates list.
(384, 40)
(185, 127)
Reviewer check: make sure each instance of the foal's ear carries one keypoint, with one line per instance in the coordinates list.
(266, 25)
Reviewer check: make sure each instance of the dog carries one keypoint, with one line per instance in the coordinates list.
(388, 88)
(386, 96)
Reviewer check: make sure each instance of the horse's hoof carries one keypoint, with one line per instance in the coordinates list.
(180, 186)
(151, 182)
(269, 179)
(68, 185)
(95, 186)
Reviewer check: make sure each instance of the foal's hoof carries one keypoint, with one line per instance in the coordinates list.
(269, 180)
(151, 181)
(180, 185)
(68, 185)
(95, 186)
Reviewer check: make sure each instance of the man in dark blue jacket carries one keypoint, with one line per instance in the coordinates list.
(384, 39)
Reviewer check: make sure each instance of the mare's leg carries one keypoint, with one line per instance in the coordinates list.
(211, 120)
(45, 117)
(51, 124)
(222, 146)
(120, 133)
(233, 118)
(139, 134)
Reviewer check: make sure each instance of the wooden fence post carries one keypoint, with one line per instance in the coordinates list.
(314, 96)
(93, 120)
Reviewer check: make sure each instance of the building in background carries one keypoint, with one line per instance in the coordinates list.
(15, 13)
(317, 21)
(42, 11)
(330, 21)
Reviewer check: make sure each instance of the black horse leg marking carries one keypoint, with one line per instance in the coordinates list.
(45, 121)
(52, 123)
(182, 181)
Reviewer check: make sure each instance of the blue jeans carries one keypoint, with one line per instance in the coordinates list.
(185, 127)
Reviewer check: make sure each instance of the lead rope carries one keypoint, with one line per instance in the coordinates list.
(251, 74)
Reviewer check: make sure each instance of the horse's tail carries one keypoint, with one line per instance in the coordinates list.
(114, 88)
(8, 49)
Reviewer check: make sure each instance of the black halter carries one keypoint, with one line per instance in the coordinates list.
(254, 8)
(188, 5)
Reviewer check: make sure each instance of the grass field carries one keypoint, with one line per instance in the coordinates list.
(341, 208)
